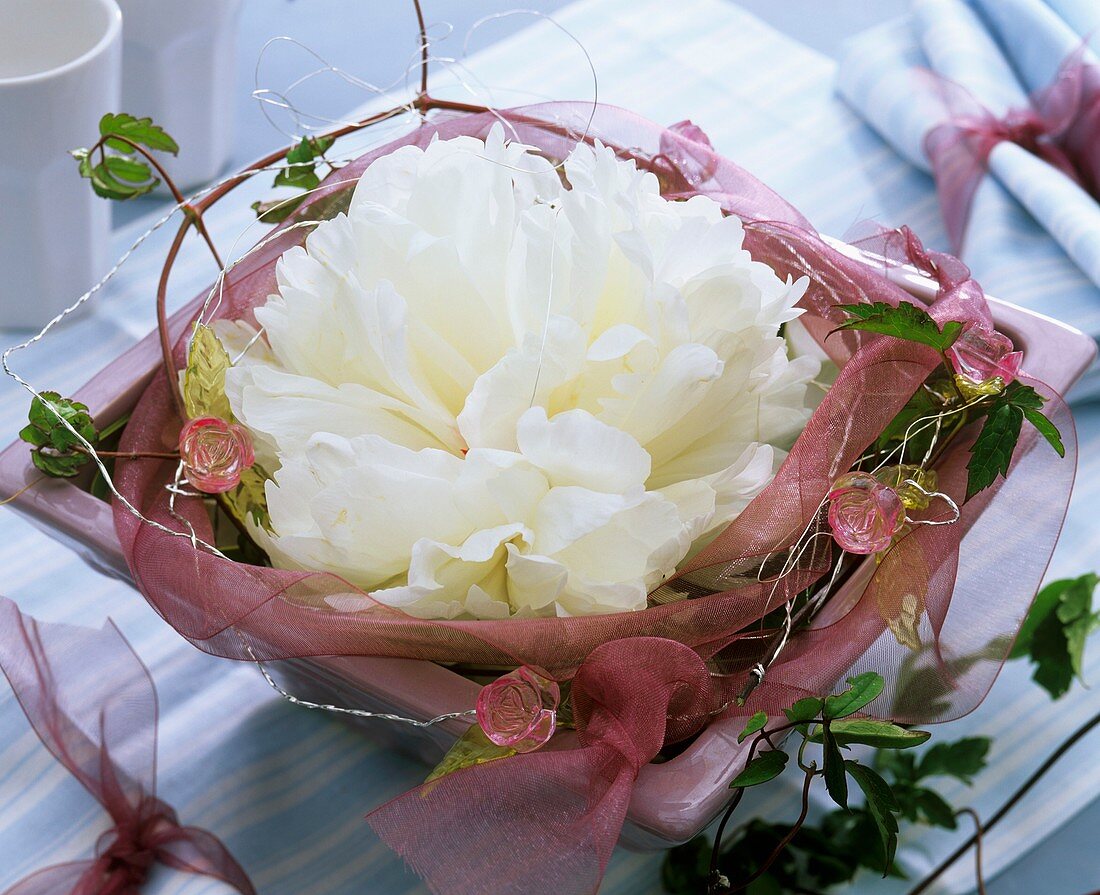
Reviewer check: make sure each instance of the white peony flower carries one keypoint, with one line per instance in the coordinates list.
(485, 393)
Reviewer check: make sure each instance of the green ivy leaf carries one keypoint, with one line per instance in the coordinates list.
(862, 689)
(836, 781)
(57, 451)
(992, 451)
(755, 723)
(1056, 630)
(275, 211)
(905, 321)
(302, 163)
(761, 769)
(935, 809)
(136, 130)
(881, 805)
(1047, 429)
(961, 759)
(804, 710)
(869, 732)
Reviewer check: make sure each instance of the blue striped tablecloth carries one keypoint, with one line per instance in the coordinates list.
(285, 788)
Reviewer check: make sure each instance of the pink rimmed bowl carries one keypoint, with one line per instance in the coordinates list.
(673, 800)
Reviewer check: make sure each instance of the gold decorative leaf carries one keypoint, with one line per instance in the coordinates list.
(204, 378)
(470, 749)
(248, 501)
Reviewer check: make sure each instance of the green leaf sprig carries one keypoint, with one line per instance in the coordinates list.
(828, 721)
(1003, 413)
(119, 173)
(991, 454)
(300, 173)
(831, 852)
(1054, 633)
(903, 321)
(56, 451)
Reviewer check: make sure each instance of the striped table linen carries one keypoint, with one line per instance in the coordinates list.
(1028, 220)
(286, 788)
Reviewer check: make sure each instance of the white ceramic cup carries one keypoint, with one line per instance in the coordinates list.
(60, 63)
(179, 68)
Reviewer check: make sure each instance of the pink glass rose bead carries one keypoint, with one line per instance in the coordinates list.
(519, 710)
(215, 453)
(982, 354)
(864, 513)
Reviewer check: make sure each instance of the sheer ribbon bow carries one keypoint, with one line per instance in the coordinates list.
(93, 704)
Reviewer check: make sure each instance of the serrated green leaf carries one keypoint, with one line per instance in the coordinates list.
(862, 690)
(961, 759)
(107, 185)
(1056, 630)
(755, 723)
(302, 152)
(1022, 396)
(870, 732)
(275, 211)
(472, 748)
(935, 809)
(301, 177)
(204, 378)
(137, 130)
(761, 769)
(59, 465)
(1047, 429)
(1044, 604)
(881, 805)
(33, 435)
(991, 454)
(836, 781)
(905, 321)
(130, 170)
(806, 709)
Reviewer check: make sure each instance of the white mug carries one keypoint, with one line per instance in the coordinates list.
(60, 63)
(179, 68)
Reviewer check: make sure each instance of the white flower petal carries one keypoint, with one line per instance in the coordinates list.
(489, 391)
(575, 448)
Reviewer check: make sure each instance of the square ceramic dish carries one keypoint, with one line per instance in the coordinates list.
(673, 800)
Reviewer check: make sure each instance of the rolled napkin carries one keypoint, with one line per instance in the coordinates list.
(93, 704)
(884, 76)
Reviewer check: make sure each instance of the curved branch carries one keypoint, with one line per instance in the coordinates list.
(1066, 745)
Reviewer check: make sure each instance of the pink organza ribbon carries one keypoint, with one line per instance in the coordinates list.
(93, 704)
(547, 821)
(1060, 126)
(564, 806)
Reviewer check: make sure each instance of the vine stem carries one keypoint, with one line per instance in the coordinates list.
(978, 832)
(786, 840)
(140, 455)
(1052, 759)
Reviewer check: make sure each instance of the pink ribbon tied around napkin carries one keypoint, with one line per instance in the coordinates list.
(565, 805)
(1061, 126)
(92, 702)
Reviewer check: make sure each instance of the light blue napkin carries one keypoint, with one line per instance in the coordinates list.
(1027, 216)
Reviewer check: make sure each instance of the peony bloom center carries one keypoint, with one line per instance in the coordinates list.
(494, 389)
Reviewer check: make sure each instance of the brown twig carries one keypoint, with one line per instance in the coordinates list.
(423, 48)
(139, 455)
(786, 840)
(23, 490)
(1066, 745)
(978, 832)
